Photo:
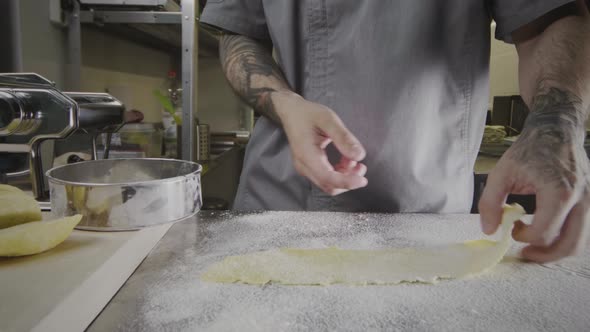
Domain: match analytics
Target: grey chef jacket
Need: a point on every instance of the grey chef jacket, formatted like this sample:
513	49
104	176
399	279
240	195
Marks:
409	78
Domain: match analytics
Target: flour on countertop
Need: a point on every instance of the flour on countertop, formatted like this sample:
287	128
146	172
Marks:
512	296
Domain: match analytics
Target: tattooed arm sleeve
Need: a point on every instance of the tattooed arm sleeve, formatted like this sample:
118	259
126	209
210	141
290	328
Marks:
554	70
554	74
252	72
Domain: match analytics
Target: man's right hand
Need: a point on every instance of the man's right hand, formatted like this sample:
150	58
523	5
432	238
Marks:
310	128
255	76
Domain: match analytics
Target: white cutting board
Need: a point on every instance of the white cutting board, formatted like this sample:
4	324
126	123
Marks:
65	288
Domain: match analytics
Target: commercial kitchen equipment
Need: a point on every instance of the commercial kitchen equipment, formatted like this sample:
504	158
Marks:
33	110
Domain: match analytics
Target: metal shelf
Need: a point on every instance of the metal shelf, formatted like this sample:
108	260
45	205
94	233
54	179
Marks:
176	32
130	17
159	30
169	5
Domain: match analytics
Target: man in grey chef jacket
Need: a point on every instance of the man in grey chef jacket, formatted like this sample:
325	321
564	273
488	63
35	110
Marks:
380	106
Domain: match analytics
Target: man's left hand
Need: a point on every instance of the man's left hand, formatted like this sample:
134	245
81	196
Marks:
547	160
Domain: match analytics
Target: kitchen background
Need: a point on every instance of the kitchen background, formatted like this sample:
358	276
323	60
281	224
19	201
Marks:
121	65
128	69
131	68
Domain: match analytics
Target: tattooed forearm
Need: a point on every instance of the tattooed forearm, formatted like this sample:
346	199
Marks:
553	138
252	72
555	83
558	58
560	109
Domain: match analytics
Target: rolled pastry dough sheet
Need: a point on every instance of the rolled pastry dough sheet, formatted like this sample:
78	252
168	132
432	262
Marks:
289	266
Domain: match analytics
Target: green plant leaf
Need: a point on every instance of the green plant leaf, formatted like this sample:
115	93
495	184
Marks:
167	105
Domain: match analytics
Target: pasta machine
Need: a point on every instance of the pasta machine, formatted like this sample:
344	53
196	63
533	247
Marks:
33	110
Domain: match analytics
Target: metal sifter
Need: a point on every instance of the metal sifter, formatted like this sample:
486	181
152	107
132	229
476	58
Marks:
126	194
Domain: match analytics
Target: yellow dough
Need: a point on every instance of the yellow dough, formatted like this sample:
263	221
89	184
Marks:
16	207
4	188
36	237
366	267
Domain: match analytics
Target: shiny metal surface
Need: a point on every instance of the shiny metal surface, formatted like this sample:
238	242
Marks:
99	112
126	194
11	114
190	46
32	107
24	80
30	102
19	114
204	134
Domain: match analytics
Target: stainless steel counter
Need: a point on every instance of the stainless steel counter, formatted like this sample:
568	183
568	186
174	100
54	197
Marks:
165	293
